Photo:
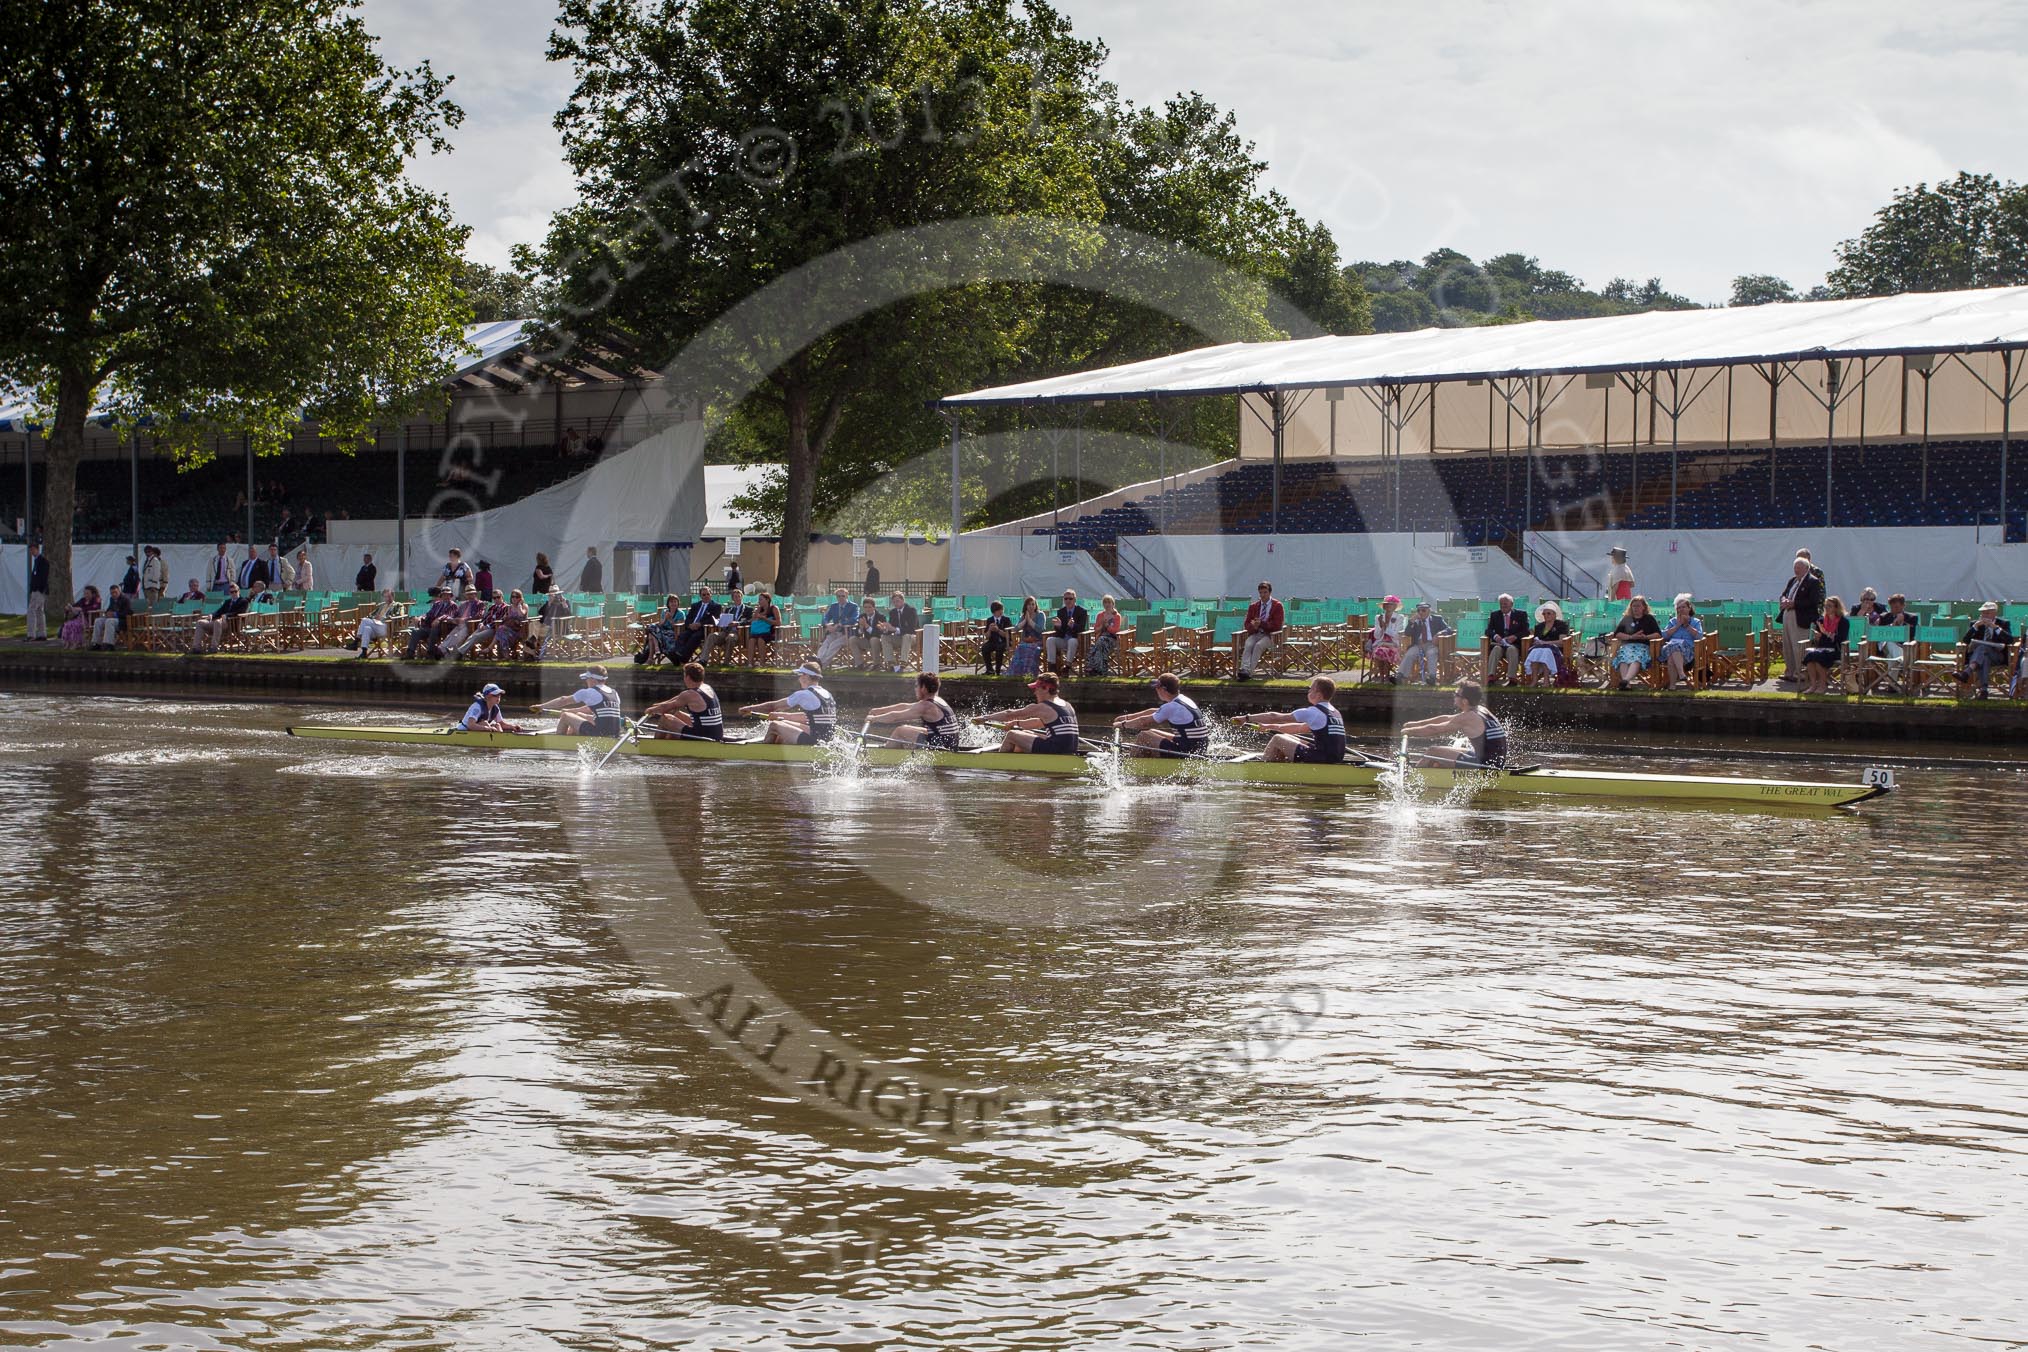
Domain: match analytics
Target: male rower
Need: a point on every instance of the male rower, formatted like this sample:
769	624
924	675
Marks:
1174	727
1471	720
1311	735
807	716
927	721
1047	727
693	712
592	710
484	715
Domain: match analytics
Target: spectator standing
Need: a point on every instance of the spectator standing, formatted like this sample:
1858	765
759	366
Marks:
898	631
734	583
484	582
544	576
130	581
1066	633
306	576
1619	579
367	576
1802	602
221	570
873	577
252	572
1425	627
1506	635
1986	646
281	574
38	594
1264	620
154	575
457	574
593	578
112	621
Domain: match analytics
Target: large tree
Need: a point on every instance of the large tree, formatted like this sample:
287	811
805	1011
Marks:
721	146
208	225
1968	232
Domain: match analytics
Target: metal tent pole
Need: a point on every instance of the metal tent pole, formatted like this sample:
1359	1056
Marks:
1675	431
2006	429
1280	426
956	551
1830	431
249	491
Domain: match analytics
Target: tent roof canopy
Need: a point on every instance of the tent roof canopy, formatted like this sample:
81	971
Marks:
1948	321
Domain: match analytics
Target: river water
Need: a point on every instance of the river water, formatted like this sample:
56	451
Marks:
310	1044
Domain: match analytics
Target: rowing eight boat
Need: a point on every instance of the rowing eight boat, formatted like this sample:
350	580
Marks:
1250	770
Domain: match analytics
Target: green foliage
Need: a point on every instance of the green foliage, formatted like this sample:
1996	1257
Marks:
493	294
208	222
1971	231
1448	290
722	147
1307	275
1759	288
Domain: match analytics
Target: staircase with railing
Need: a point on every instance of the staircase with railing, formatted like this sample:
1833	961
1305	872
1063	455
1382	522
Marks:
1558	573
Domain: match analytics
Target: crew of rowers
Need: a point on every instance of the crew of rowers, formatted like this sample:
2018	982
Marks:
1314	734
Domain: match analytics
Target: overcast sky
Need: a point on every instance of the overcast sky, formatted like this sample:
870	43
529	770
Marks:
1686	139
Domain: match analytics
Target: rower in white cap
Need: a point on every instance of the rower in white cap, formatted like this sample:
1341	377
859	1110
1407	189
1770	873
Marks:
807	716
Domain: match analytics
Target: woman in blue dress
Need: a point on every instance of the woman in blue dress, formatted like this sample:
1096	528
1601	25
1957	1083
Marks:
1679	641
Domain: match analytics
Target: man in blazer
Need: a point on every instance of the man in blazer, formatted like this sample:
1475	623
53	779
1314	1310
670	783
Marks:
1264	619
38	595
1802	604
1506	637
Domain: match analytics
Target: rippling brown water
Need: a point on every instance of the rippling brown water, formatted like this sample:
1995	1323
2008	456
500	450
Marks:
340	1046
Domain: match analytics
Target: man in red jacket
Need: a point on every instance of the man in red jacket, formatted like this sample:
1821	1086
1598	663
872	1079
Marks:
1263	622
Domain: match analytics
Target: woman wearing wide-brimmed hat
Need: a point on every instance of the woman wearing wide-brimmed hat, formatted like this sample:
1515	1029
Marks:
1383	645
1545	663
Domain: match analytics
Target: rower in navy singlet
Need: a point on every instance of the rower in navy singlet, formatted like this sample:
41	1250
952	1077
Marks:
1175	727
808	716
693	712
926	721
1047	727
1472	720
1311	735
592	710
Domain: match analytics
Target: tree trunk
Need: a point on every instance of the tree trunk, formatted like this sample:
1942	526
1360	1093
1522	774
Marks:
797	506
61	453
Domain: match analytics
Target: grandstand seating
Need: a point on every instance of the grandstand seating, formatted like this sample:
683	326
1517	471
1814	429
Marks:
196	506
1484	498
